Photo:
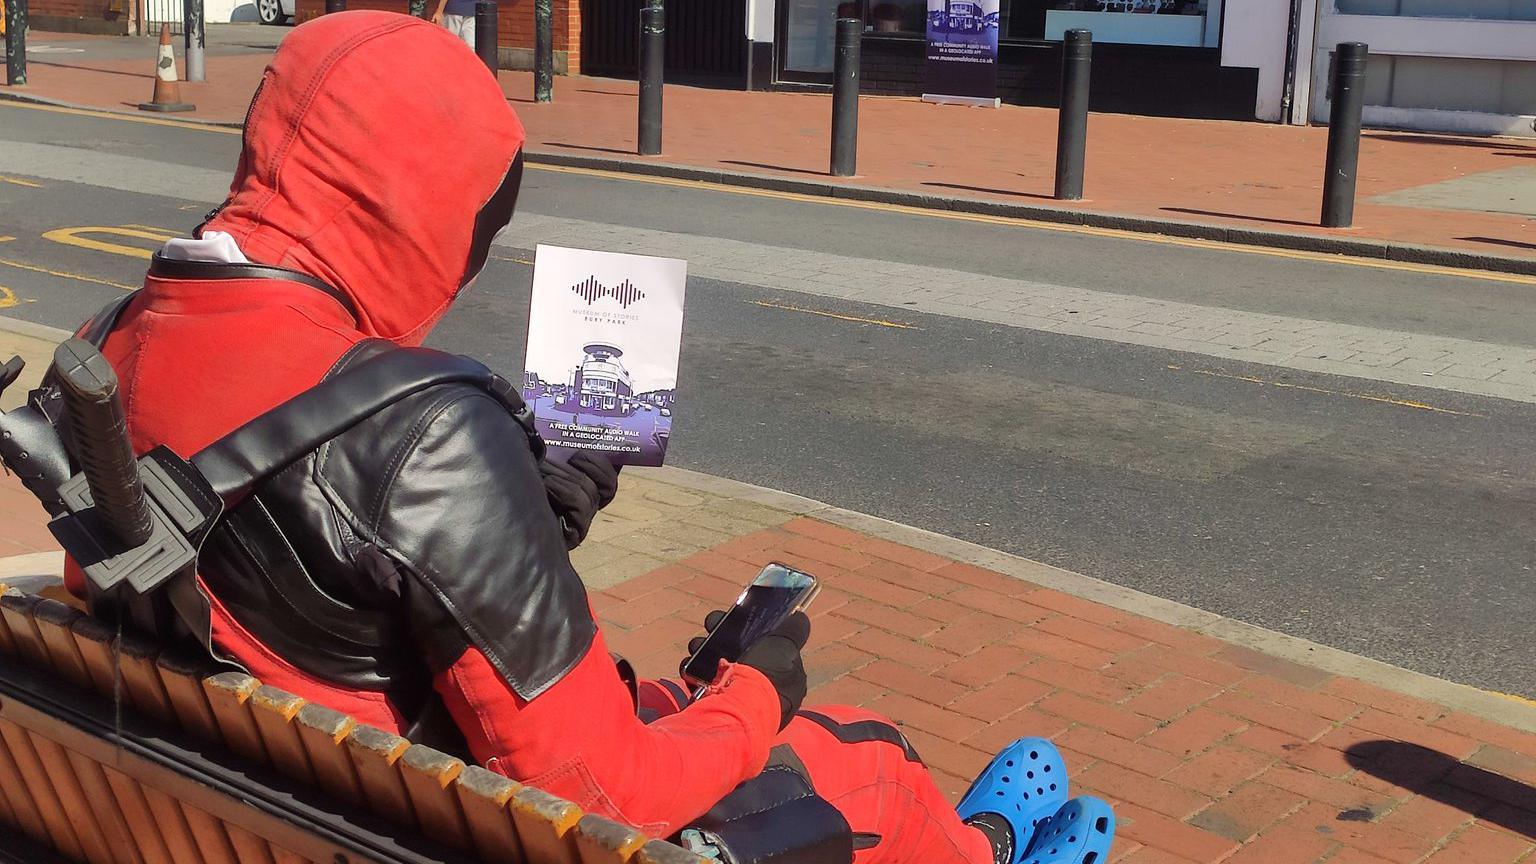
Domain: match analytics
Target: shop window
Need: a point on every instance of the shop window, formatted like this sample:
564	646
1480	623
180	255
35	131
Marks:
1486	10
1188	23
1148	22
894	16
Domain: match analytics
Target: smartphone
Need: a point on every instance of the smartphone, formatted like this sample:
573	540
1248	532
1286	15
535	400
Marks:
776	593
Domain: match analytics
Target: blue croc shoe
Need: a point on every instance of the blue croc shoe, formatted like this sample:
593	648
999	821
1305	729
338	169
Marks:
1023	786
1079	833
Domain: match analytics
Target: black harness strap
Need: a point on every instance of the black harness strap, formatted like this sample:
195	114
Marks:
268	444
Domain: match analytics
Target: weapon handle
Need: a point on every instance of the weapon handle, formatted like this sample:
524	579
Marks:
98	433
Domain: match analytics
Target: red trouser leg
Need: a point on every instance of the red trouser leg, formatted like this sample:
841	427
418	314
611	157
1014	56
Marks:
861	764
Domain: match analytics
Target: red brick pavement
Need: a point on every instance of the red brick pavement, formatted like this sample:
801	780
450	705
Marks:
1209	752
1243	174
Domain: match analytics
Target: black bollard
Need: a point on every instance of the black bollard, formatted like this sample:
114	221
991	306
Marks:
1344	134
485	33
653	34
1072	115
543	52
333	6
845	98
15	42
195	38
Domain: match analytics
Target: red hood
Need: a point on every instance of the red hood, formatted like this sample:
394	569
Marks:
374	152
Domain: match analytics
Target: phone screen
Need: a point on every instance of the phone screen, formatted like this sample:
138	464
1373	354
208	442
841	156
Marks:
773	596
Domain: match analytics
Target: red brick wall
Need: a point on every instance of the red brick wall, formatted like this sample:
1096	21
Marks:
515	23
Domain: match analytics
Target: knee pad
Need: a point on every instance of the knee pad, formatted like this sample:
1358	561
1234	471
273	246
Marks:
773	818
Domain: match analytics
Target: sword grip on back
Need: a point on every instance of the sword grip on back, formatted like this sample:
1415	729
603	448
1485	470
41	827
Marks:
98	433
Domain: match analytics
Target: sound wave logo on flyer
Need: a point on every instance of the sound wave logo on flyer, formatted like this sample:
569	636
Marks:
605	336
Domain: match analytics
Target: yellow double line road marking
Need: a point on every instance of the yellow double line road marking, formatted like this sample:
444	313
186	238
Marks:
72	237
1283	385
838	315
978	218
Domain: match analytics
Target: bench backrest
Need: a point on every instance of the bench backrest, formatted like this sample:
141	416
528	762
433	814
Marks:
113	750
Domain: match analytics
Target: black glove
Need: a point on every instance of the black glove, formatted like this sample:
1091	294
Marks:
577	489
777	656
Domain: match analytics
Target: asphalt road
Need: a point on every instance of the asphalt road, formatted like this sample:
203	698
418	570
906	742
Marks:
1404	534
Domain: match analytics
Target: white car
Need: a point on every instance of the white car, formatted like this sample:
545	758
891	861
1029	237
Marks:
276	11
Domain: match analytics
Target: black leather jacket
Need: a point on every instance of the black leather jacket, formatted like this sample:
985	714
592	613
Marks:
375	560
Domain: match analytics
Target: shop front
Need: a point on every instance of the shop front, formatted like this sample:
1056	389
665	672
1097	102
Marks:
1465	66
1151	56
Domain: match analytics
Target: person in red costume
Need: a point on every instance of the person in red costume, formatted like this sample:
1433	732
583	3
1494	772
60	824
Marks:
411	571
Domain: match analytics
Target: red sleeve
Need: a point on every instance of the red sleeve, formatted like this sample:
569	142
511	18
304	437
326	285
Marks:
581	740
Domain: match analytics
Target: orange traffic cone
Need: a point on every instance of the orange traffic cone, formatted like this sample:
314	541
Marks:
167	90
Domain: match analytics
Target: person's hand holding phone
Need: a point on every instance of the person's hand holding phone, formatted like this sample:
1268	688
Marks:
776	655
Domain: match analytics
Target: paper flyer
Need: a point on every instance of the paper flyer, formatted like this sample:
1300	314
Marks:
605	332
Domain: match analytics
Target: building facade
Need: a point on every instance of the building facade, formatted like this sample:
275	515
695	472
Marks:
1465	66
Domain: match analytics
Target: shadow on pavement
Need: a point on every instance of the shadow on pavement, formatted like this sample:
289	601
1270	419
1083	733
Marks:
81	68
1194	212
772	167
1443	140
1491	797
1500	242
1525	154
966	188
589	147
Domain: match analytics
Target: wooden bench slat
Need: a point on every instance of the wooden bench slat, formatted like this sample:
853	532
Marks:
283	856
544	825
7	815
212	843
93	813
109	817
227	693
182	672
58	831
24	810
600	840
249	848
54	620
274	710
483	796
93	639
143	825
16	609
662	852
78	809
428	775
136	658
172	823
323	732
374	753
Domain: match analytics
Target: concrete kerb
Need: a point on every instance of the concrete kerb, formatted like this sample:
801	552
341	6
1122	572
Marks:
1234	235
1359	248
10	95
1496	707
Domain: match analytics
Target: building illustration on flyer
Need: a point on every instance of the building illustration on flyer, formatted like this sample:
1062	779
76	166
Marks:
605	335
961	62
